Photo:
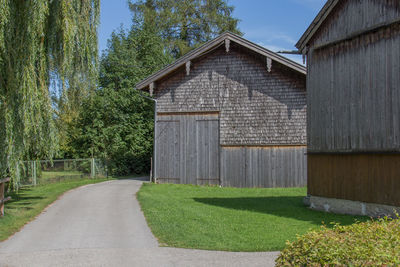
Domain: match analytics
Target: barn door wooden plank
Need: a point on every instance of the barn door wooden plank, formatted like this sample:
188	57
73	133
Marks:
168	155
207	148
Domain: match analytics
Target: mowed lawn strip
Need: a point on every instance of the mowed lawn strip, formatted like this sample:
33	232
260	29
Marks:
30	202
230	219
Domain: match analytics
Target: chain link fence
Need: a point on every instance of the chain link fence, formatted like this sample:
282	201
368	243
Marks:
46	171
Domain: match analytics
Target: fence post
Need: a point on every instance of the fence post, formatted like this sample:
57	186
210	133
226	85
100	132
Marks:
92	167
2	191
151	169
17	178
34	173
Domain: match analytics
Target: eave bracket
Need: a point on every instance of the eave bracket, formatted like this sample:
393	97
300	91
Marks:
269	64
188	68
151	89
227	45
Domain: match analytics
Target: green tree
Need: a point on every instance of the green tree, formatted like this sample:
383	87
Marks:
117	126
131	57
188	23
116	123
40	41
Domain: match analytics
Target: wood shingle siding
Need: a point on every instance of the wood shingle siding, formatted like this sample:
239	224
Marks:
257	107
230	116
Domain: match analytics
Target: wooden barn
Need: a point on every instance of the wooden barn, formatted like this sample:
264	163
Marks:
230	113
353	100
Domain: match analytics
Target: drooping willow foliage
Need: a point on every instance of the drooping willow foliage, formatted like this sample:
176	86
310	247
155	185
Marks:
41	41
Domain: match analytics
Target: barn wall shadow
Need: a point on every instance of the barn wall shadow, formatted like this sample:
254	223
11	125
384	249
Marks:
283	206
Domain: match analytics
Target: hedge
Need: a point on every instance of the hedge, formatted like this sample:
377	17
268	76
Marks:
371	243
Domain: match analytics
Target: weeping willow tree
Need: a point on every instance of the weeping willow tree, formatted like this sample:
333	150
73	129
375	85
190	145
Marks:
41	41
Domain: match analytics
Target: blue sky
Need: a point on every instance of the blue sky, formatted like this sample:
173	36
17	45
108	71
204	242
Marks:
274	24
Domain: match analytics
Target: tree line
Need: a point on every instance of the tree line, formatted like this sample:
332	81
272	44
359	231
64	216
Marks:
59	99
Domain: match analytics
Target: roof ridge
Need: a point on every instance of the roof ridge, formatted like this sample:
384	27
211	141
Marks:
209	45
315	24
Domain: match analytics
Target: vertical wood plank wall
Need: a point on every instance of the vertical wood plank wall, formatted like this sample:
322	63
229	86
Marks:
207	151
354	86
187	148
246	166
372	178
189	153
353	103
168	150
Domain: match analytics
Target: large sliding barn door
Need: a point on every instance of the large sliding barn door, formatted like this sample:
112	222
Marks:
187	148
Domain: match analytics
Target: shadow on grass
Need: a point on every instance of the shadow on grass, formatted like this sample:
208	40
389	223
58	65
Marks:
283	206
22	198
19	198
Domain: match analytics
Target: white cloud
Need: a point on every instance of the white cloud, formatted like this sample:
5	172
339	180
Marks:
295	58
268	35
274	39
271	47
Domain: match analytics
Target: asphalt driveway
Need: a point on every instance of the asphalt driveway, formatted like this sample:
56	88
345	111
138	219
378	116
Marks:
102	225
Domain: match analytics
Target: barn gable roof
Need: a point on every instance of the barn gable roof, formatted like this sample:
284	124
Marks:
210	46
316	24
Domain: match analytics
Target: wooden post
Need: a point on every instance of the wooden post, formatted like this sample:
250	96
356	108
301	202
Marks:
151	169
155	143
154	162
34	173
2	199
92	168
17	178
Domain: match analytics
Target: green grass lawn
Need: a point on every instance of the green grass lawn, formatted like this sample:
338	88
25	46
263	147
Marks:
231	219
30	201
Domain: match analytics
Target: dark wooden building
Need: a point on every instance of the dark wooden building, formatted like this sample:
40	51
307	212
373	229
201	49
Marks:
230	113
353	99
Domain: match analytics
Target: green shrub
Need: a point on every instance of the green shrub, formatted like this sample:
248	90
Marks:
372	243
116	126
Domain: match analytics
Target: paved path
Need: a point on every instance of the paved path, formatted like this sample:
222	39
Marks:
102	225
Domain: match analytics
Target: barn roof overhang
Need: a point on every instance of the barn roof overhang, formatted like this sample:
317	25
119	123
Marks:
315	25
224	38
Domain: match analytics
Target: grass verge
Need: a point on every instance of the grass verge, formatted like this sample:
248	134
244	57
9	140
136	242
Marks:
30	202
53	174
230	219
